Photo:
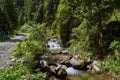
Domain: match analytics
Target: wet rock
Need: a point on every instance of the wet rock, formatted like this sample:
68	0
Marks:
78	62
61	72
43	63
65	52
57	72
44	66
43	56
110	75
94	67
13	60
64	67
52	69
46	63
113	75
54	52
62	59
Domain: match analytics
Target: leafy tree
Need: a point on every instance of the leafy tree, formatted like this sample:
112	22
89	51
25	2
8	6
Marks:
65	19
9	21
90	33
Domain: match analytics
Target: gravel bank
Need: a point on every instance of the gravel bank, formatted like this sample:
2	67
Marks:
6	48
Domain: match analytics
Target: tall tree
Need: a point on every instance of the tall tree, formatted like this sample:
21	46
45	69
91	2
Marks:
90	33
9	17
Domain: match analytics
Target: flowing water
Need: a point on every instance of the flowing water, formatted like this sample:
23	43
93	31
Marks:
74	74
53	44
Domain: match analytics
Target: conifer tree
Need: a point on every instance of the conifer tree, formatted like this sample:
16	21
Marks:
9	17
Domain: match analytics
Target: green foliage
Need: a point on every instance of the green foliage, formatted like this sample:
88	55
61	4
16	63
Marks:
28	49
110	64
50	8
64	21
4	37
84	39
29	9
11	15
89	35
79	39
88	54
8	17
14	72
115	45
39	33
115	16
31	48
19	72
85	19
38	76
26	28
39	15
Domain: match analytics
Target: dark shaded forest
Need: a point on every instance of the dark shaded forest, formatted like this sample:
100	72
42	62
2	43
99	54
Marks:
87	27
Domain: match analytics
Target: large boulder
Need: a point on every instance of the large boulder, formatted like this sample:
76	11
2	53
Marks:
94	67
62	59
77	61
57	72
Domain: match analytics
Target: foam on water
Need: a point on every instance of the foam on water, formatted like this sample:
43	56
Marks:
73	72
53	44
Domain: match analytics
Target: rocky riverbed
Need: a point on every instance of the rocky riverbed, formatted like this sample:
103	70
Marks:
6	48
60	65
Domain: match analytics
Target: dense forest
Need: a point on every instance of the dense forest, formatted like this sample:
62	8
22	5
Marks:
90	28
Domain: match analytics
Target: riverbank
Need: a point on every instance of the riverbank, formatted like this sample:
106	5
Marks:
6	48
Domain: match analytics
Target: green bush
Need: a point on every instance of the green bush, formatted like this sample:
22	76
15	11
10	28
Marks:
20	72
28	49
38	76
15	72
115	45
31	48
26	28
110	64
88	54
34	45
39	32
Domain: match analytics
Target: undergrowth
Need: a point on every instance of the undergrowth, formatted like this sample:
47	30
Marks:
26	66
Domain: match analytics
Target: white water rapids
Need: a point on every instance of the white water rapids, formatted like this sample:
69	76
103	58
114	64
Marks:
53	44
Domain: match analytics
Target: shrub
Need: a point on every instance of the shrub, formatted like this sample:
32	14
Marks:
26	28
110	64
34	45
19	72
29	50
115	45
39	33
15	72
